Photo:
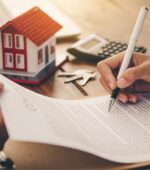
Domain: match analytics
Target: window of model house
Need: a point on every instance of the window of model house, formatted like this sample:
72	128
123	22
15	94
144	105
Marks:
52	47
9	60
20	62
40	56
19	43
8	40
46	55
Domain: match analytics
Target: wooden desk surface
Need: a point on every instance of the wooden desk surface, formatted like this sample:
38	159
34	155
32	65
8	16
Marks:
113	19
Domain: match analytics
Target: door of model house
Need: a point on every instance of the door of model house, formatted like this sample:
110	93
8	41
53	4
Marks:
14	51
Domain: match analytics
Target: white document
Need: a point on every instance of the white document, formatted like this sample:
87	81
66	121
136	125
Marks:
122	135
10	9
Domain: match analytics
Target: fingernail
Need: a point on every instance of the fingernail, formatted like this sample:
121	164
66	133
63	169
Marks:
111	85
133	99
121	83
122	99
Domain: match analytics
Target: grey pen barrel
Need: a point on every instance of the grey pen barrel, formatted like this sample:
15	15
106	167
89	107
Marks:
115	93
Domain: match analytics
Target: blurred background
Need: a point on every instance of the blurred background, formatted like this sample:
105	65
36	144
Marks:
113	19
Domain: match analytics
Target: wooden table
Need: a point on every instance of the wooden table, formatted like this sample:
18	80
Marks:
113	19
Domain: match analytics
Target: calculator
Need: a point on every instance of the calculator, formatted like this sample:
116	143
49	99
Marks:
96	48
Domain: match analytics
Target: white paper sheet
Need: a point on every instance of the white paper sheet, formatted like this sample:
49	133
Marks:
122	135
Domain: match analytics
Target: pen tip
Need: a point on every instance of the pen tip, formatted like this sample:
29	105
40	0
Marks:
109	108
111	104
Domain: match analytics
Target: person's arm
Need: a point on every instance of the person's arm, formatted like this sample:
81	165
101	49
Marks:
3	131
135	79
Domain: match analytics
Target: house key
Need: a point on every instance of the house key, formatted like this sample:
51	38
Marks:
86	78
78	74
73	78
75	73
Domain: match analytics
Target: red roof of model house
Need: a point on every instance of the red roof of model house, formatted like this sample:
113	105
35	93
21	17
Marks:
36	25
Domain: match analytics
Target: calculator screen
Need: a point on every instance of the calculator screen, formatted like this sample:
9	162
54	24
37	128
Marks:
90	44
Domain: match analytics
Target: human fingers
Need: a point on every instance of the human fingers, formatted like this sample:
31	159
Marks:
132	98
107	75
104	84
123	97
106	68
140	71
130	76
3	132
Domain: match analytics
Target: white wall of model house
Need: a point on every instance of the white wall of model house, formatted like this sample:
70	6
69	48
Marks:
32	55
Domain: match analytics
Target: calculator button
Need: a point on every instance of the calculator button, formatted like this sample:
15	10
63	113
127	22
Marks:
119	45
113	44
111	50
106	53
112	54
109	47
124	48
102	55
136	49
116	52
115	48
121	49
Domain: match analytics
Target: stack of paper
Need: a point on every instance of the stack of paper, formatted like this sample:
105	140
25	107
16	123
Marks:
122	135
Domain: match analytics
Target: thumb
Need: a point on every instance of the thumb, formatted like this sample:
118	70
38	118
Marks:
129	77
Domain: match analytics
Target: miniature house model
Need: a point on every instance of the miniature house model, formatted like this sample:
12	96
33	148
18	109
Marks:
27	47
